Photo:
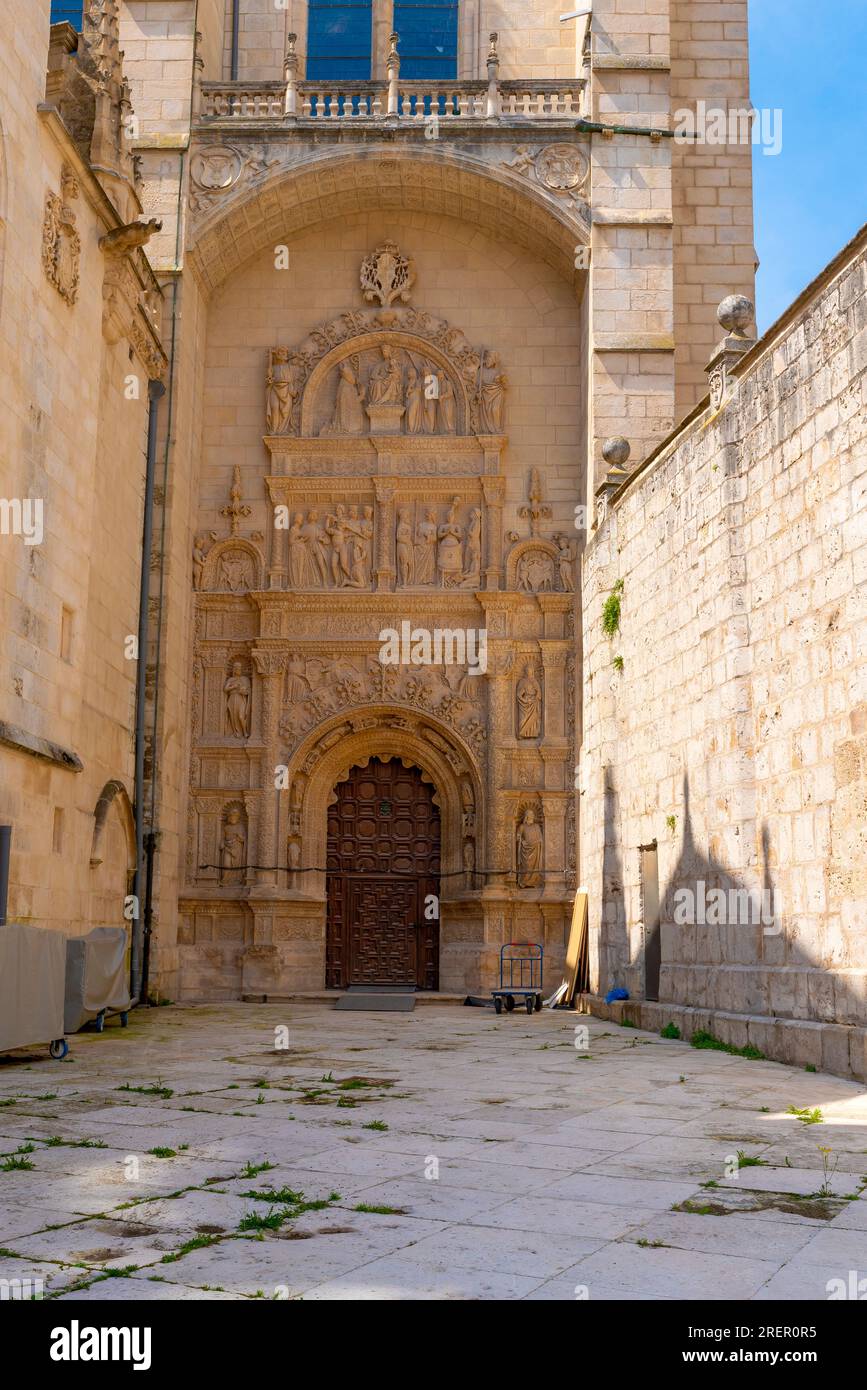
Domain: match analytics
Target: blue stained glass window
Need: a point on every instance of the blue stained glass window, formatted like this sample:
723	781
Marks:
338	39
67	11
428	38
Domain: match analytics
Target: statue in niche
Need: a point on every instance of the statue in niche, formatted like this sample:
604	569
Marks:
529	697
426	548
317	549
385	384
293	857
492	395
236	571
238	690
404	548
468	815
348	416
529	847
282	385
469	857
565	563
415	402
300	573
450	548
297	684
233	848
431	396
473	548
446	405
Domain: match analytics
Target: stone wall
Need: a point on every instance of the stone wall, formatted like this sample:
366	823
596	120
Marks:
726	719
73	439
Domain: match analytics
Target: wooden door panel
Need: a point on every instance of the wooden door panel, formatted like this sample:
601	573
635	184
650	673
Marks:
383	859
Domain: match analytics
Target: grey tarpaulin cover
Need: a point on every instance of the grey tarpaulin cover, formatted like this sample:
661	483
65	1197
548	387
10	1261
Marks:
32	967
95	975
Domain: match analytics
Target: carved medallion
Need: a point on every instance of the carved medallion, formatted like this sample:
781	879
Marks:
387	275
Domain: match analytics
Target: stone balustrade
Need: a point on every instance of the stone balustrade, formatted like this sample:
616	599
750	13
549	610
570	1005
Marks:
513	102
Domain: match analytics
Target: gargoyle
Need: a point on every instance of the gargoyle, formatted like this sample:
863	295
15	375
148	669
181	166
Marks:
120	240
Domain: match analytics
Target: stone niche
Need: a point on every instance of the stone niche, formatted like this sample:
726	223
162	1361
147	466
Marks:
385	430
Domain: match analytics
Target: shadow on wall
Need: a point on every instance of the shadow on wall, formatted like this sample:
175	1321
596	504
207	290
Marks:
725	945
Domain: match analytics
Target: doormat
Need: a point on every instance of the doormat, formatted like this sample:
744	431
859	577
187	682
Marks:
382	999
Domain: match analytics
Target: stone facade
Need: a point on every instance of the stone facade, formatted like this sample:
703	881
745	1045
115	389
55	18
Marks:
79	309
725	718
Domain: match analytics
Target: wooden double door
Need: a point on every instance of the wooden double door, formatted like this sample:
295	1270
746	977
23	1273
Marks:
383	862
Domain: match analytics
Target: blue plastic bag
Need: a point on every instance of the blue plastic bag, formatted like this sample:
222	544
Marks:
616	994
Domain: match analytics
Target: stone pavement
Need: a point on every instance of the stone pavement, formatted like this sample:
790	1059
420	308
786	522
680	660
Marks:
441	1154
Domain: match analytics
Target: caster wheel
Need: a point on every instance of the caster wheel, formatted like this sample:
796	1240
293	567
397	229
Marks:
531	1004
498	1005
510	1003
58	1049
538	1003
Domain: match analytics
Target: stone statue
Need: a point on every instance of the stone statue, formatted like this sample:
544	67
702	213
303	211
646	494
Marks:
429	401
281	389
317	550
529	696
529	847
297	684
238	690
200	555
492	395
385	384
449	548
335	526
473	548
447	405
565	563
233	848
404	548
469	857
348	416
294	856
415	402
300	573
426	548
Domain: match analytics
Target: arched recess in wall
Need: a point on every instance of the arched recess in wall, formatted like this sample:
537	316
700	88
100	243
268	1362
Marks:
233	225
112	855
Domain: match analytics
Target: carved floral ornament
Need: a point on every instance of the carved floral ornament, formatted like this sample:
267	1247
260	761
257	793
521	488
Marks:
386	275
61	243
393	371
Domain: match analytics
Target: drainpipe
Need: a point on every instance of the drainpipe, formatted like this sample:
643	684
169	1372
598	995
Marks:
5	848
236	24
156	391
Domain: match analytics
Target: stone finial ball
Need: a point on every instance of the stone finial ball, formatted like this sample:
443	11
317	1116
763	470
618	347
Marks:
736	313
616	451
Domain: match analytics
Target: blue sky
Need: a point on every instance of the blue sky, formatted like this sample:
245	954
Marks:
808	57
